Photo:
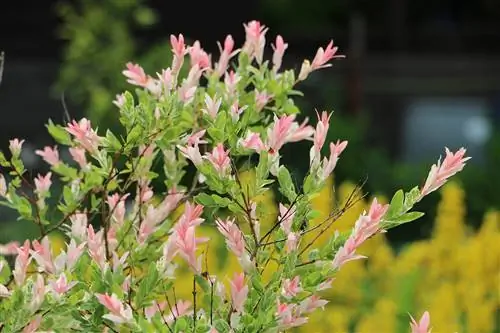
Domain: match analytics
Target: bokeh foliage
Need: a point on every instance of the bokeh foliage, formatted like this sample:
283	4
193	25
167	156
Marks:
101	37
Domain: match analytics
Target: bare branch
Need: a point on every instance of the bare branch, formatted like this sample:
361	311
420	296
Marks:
2	61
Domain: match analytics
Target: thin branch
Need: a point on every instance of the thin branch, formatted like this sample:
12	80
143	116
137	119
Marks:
175	301
42	315
38	219
278	223
2	62
247	209
105	223
207	275
194	303
211	300
163	316
305	263
65	107
111	328
335	216
168	303
65	217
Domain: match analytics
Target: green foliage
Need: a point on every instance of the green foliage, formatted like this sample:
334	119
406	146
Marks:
101	39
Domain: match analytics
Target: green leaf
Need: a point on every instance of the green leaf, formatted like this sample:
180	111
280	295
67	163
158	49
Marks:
411	198
396	204
202	283
134	135
290	108
4	271
235	208
295	93
286	184
202	327
216	134
112	141
148	327
313	279
408	217
257	285
221	201
311	215
222	326
309	185
313	255
181	324
129	99
3	160
205	200
68	195
24	209
220	121
147	286
64	170
262	170
94	202
59	133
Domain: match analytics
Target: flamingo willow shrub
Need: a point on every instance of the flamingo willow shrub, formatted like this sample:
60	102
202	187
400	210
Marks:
118	272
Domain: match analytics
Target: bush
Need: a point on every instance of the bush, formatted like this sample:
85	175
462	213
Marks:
124	276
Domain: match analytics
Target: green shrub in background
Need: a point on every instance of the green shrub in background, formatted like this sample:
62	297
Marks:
100	40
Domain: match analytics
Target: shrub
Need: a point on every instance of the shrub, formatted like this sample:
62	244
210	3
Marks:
122	277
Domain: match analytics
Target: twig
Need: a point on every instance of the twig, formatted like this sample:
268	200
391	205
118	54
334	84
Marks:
65	107
211	300
105	223
194	303
175	301
163	316
65	217
38	219
211	284
305	263
2	62
247	210
278	223
168	303
334	216
43	314
111	328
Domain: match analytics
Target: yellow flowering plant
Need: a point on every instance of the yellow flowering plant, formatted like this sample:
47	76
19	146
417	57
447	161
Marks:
454	274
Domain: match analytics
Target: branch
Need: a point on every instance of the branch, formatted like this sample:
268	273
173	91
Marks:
335	216
2	61
247	209
163	316
288	213
111	328
194	303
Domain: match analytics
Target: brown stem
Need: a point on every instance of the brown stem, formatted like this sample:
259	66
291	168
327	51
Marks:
334	217
38	219
247	209
194	303
278	223
163	316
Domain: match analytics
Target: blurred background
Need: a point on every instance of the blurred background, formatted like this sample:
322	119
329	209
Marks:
419	76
